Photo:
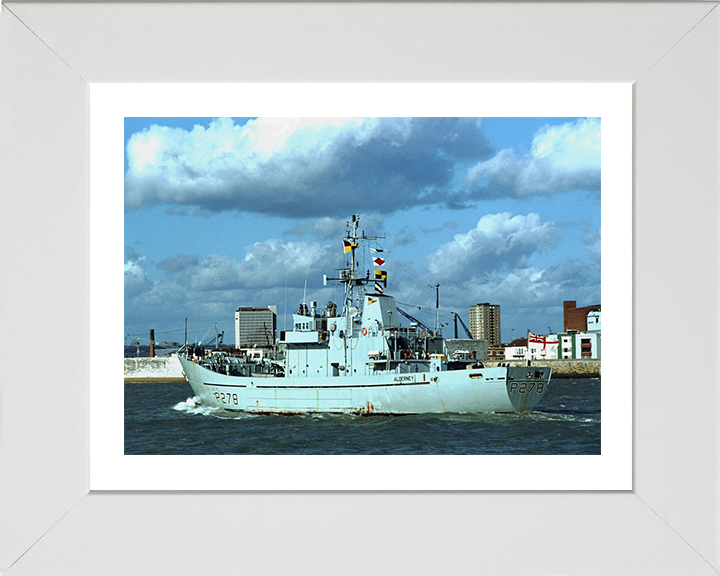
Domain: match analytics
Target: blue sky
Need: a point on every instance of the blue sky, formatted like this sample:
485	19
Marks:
229	212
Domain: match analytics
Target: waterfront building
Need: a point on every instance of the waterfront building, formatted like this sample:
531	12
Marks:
575	318
485	322
593	321
568	346
542	347
255	327
496	352
515	352
579	345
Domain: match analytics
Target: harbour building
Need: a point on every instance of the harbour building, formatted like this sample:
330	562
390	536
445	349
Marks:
575	318
255	327
485	322
580	345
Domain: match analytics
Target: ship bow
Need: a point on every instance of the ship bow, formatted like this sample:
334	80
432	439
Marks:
526	385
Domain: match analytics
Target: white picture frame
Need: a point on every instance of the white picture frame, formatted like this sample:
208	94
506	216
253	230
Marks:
668	523
112	469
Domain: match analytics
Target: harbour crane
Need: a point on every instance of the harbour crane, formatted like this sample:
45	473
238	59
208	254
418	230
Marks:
456	316
424	326
212	342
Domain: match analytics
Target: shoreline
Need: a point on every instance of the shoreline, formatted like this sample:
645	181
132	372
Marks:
560	368
153	380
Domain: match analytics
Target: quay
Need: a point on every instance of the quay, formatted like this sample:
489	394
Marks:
567	368
158	369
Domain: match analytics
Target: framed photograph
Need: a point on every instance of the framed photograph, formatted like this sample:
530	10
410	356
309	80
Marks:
555	150
62	416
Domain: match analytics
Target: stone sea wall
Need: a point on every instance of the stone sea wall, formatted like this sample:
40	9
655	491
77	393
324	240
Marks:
159	369
561	368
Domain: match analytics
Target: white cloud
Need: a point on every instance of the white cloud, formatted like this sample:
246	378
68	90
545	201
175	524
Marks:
592	241
498	241
273	262
514	289
300	167
137	279
214	272
209	289
328	228
562	158
267	264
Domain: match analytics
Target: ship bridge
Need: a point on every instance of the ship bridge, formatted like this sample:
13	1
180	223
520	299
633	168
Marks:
379	314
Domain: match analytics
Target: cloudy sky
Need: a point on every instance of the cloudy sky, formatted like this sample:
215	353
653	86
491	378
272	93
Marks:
229	212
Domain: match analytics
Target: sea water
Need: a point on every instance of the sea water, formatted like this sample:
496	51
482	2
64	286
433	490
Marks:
165	418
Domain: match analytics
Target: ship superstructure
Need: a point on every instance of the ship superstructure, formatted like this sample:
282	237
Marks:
359	359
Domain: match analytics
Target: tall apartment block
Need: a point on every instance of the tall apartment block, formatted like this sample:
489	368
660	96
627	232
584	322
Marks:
255	326
485	322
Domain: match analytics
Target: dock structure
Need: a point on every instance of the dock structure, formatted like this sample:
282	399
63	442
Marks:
566	368
158	369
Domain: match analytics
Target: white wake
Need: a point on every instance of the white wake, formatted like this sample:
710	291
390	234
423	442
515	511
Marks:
194	406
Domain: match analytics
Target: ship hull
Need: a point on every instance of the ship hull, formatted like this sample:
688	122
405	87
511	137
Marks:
501	389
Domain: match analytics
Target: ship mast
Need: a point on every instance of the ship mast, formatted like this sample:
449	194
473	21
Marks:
349	276
352	238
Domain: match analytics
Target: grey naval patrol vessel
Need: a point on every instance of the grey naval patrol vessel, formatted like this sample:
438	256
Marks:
359	361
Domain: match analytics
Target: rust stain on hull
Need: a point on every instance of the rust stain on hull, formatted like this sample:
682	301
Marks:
367	410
